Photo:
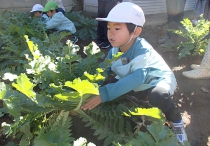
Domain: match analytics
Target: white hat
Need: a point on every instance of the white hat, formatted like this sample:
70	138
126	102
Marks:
37	7
125	12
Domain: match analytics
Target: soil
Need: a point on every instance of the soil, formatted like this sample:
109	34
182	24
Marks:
193	103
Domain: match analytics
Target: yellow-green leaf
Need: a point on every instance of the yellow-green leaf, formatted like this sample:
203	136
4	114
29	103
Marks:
25	86
82	86
67	96
151	112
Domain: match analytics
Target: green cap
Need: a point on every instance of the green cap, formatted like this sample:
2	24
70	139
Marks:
50	6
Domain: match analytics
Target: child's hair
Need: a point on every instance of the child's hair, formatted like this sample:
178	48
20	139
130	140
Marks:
38	11
55	10
131	27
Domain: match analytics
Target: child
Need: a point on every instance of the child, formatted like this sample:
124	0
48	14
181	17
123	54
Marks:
60	5
37	11
140	68
57	20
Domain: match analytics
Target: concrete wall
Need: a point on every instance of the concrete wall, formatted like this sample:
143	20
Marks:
26	5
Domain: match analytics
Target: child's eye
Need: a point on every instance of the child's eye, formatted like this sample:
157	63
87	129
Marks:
117	28
108	28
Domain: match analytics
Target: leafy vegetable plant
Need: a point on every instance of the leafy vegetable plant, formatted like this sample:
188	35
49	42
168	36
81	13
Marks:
86	27
196	40
54	81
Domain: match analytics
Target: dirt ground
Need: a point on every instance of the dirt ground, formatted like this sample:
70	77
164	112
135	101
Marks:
193	103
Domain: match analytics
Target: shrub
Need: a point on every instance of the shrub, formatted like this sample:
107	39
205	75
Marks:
196	40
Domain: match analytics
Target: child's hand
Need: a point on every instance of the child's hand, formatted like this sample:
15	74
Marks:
92	103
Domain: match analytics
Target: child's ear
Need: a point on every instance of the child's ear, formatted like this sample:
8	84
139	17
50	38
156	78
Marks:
137	32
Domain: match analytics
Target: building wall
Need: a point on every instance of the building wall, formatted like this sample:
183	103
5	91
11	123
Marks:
148	6
26	5
159	6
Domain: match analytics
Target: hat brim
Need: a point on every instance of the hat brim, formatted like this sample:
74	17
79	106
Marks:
112	20
45	10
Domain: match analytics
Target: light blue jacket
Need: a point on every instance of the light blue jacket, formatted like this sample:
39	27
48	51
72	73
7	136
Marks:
60	22
44	18
138	69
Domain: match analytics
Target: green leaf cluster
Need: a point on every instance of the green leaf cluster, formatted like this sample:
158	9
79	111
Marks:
109	123
52	88
57	132
49	84
13	47
86	27
14	25
196	40
54	79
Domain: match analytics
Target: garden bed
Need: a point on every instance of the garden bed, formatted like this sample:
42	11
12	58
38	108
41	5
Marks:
191	100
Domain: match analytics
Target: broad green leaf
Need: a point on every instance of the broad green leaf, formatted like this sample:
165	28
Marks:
33	48
15	101
26	130
95	77
57	89
67	96
99	70
152	112
82	86
146	139
169	141
46	139
24	140
25	86
114	58
159	131
58	134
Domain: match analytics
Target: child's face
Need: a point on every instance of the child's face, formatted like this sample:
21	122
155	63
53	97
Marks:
37	14
50	14
118	34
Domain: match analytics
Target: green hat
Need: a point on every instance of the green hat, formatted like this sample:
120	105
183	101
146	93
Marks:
50	6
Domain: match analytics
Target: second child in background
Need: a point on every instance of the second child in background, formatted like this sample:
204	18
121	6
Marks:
37	12
58	21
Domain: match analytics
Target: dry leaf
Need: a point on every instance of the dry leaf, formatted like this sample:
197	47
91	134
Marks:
204	89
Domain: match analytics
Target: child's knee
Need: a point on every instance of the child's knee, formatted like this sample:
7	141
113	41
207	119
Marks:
159	98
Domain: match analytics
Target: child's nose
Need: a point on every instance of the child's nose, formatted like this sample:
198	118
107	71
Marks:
111	32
